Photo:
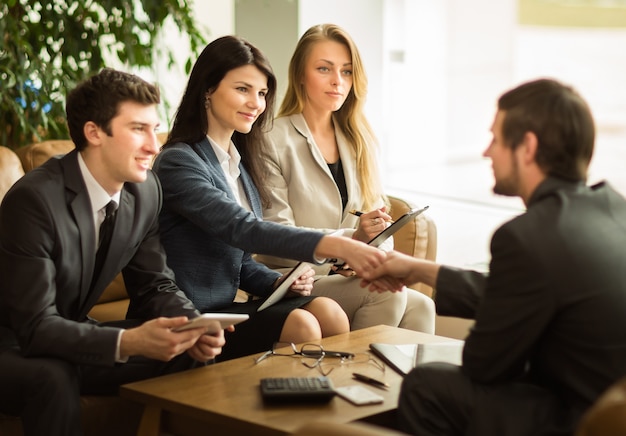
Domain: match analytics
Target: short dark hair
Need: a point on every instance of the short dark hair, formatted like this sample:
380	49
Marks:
98	98
561	120
191	123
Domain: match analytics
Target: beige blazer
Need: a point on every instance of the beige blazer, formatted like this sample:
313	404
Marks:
303	191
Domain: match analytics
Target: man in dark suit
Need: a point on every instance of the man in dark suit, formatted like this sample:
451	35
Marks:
550	317
50	350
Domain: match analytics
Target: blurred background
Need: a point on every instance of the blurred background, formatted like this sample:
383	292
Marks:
436	69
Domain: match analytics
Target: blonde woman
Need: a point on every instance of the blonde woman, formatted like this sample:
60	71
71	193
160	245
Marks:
321	155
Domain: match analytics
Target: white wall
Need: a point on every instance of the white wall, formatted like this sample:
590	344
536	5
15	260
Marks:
362	19
216	18
436	68
452	58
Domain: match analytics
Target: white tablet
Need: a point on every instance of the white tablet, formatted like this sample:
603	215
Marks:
215	321
282	289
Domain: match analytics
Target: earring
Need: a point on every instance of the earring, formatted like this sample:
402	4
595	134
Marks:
207	102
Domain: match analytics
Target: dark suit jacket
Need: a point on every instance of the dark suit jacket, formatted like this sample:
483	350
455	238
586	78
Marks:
209	237
47	254
553	307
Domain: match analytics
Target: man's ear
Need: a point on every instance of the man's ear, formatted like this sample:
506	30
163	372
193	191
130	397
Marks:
92	133
528	148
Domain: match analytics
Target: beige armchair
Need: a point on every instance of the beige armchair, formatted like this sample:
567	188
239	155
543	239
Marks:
417	239
10	170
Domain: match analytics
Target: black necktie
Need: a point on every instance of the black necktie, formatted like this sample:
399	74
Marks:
104	240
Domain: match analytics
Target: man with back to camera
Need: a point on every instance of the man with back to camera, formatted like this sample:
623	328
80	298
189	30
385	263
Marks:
550	316
51	352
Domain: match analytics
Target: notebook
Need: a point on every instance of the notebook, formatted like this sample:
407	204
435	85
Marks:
283	288
404	357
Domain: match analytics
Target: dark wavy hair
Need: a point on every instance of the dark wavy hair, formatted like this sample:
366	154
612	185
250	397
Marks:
98	98
191	123
561	120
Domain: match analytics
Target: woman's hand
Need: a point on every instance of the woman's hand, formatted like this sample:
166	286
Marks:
359	256
303	285
371	224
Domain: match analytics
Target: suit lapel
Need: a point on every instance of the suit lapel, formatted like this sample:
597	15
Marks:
299	123
348	162
205	151
251	192
78	201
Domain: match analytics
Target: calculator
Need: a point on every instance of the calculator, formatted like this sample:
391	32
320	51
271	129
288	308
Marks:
297	389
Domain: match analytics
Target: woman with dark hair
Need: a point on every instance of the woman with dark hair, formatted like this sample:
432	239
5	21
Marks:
211	171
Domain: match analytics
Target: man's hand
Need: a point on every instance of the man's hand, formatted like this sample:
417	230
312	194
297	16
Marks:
399	270
209	346
156	340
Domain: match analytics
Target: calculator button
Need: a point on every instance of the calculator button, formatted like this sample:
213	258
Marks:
297	389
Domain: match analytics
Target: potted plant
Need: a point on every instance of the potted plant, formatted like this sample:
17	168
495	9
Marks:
47	47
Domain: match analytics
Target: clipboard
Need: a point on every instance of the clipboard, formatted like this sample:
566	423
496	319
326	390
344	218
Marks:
377	240
282	289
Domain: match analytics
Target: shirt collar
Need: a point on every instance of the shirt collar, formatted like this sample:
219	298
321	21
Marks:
232	157
553	184
98	197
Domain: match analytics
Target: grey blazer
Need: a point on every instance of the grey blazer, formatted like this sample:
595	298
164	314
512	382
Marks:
47	253
209	238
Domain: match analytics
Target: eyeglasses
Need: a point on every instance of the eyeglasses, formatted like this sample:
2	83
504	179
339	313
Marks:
313	355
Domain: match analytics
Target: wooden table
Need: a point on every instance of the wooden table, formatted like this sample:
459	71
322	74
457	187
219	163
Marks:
225	398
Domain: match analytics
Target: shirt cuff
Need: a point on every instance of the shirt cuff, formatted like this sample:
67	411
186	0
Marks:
118	358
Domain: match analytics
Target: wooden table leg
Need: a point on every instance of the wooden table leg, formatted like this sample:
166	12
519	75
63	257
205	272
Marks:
150	424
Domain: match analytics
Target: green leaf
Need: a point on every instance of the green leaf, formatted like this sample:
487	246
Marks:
57	44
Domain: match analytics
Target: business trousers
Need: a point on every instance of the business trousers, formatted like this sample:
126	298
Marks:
45	392
408	309
438	399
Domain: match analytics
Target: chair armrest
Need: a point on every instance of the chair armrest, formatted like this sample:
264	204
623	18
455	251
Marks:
607	416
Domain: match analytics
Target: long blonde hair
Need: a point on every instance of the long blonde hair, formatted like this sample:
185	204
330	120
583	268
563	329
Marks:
350	118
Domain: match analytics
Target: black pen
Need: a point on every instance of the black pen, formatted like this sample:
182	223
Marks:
329	353
369	380
359	213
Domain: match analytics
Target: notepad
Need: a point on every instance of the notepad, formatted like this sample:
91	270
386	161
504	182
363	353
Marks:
404	357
